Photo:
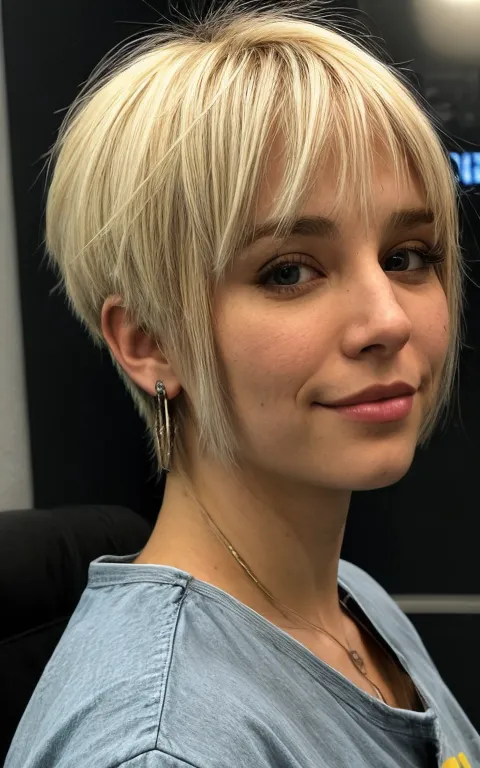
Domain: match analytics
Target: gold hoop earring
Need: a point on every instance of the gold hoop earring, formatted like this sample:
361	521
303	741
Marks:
163	428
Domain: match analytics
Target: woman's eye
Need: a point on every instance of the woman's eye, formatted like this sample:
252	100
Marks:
287	275
406	260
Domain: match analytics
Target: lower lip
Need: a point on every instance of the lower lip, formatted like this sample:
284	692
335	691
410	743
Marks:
378	412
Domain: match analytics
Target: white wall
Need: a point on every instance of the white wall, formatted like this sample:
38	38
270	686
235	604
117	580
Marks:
15	472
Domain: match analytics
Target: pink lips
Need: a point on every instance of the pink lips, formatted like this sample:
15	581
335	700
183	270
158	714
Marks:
378	404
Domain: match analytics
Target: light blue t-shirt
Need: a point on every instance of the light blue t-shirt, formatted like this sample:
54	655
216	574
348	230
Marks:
159	670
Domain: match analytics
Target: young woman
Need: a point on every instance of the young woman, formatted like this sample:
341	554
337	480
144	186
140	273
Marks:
257	218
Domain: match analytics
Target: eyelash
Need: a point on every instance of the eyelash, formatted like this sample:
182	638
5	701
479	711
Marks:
431	258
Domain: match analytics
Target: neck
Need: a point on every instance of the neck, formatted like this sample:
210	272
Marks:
288	533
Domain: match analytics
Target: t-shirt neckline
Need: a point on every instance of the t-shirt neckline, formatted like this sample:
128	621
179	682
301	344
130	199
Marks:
116	569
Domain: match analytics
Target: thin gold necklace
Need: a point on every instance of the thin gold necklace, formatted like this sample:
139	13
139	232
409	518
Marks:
352	654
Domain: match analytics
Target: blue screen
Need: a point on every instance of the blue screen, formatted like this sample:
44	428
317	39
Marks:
468	164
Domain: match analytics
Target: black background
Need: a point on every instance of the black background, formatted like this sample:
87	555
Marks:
88	444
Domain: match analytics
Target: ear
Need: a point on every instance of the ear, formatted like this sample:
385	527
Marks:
136	352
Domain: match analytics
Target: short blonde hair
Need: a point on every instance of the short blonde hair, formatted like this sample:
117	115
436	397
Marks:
159	161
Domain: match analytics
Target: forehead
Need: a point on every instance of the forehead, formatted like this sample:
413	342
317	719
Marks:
387	193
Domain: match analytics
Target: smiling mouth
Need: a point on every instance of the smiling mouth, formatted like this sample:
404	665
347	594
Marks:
379	403
380	411
374	393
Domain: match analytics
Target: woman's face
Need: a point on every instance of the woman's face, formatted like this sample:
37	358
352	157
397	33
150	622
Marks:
320	318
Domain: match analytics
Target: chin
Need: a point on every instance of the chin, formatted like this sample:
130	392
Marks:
369	466
380	461
379	481
381	474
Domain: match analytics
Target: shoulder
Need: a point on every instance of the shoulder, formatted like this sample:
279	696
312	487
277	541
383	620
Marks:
147	674
100	698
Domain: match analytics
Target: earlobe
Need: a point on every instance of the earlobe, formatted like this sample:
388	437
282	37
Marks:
135	351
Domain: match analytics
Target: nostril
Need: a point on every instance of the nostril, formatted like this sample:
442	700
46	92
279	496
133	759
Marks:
372	347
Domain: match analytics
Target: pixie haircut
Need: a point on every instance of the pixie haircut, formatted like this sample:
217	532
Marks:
158	163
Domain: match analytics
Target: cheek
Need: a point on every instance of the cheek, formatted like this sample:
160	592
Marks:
431	328
265	351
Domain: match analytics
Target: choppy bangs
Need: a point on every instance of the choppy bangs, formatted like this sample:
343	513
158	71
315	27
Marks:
326	109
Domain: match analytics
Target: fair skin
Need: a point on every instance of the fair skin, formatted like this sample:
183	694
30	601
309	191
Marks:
352	324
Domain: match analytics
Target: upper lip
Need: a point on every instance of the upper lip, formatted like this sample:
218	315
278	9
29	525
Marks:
372	394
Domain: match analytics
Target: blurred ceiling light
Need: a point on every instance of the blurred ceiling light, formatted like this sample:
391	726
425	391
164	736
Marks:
450	27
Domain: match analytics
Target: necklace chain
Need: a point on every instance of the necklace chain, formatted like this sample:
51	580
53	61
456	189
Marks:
353	655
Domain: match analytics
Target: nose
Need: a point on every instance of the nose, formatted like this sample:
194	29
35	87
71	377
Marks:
377	323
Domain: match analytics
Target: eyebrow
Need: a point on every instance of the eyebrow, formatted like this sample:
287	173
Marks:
320	226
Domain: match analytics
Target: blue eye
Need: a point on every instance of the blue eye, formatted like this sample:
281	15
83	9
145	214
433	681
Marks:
410	259
286	276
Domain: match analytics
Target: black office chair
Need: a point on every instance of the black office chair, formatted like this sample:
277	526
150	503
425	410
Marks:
44	558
